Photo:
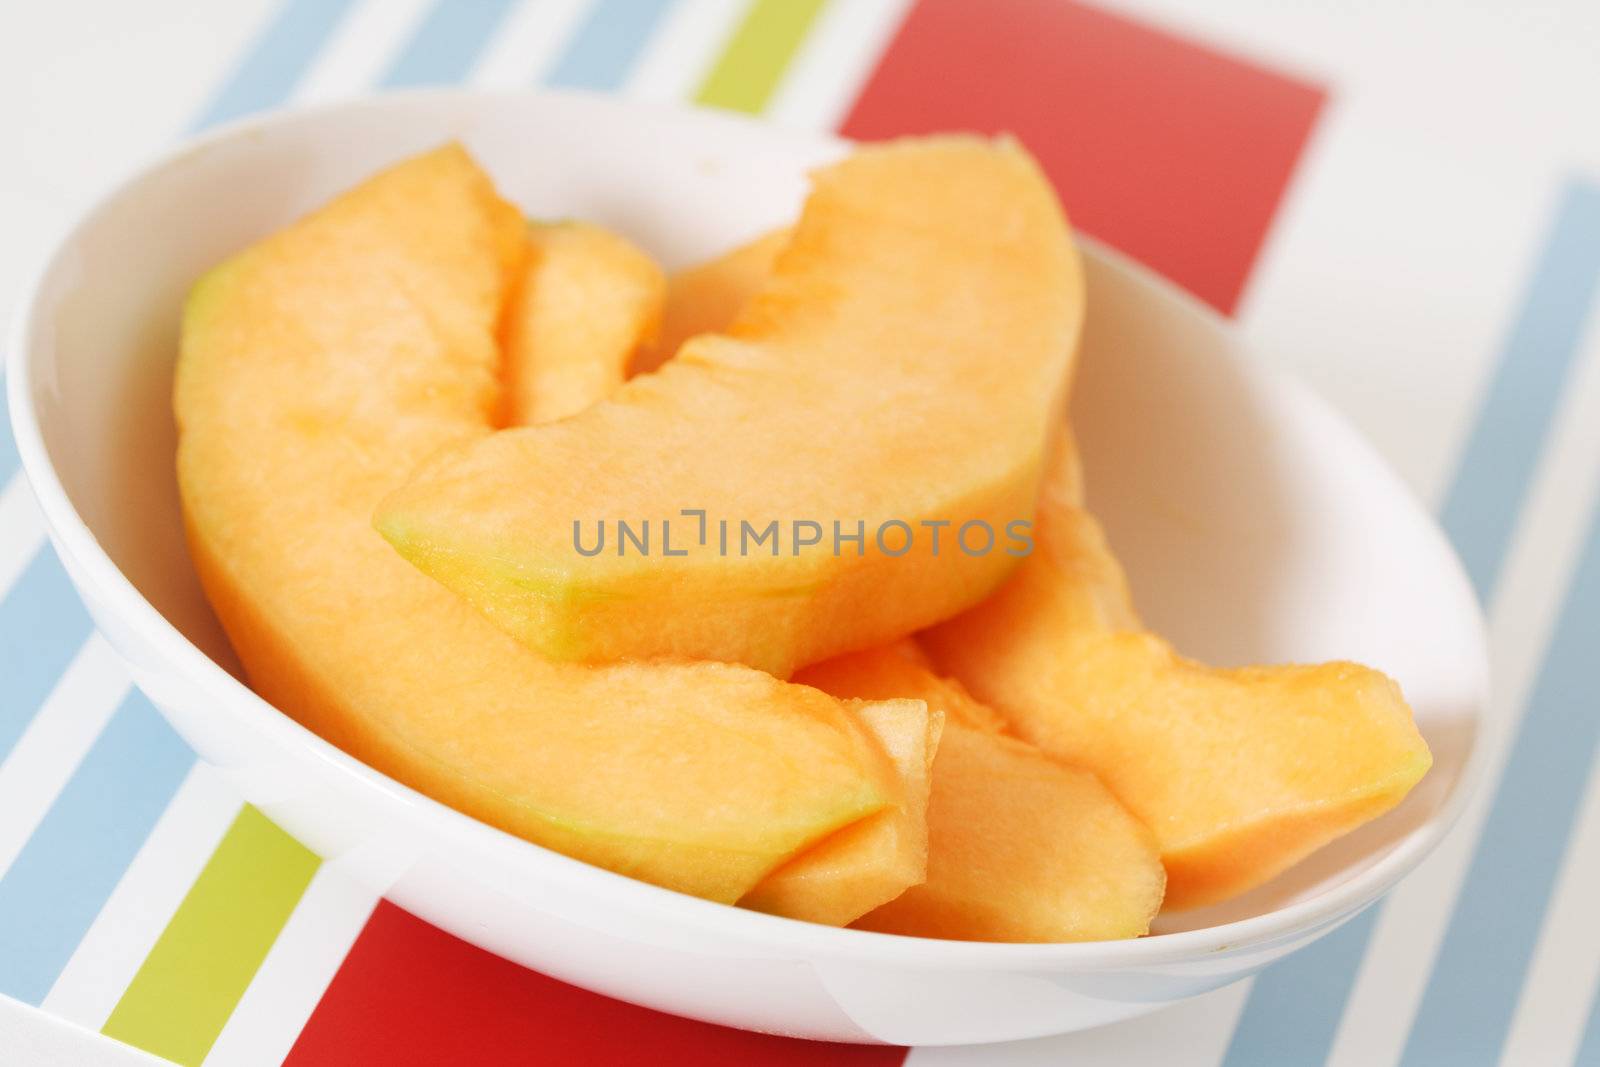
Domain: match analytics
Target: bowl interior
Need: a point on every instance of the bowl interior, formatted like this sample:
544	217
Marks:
1254	524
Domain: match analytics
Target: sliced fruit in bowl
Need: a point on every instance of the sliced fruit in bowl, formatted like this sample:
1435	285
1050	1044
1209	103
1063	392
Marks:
378	367
901	365
318	369
340	360
1240	773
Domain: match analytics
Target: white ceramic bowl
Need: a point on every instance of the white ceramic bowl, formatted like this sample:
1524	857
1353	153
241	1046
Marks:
1255	524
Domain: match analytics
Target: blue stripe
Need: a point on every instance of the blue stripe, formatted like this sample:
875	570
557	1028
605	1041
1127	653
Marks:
602	52
42	626
62	877
1589	1050
447	43
281	55
1467	1008
1295	1007
1496	468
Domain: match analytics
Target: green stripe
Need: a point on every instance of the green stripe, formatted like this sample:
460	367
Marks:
756	56
188	985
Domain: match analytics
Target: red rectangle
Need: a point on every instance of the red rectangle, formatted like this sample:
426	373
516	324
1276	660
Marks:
1166	149
409	993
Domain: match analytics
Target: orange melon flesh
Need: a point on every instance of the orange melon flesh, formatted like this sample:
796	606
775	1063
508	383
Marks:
1240	772
708	297
317	369
586	301
870	862
1020	847
861	386
905	669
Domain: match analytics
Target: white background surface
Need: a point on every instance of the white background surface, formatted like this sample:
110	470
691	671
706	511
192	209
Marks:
30	1037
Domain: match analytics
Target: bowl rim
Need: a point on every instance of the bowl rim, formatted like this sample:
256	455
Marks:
86	558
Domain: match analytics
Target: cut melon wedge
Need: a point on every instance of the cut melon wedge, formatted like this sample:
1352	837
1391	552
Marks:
903	668
1020	847
904	364
708	298
1240	773
874	859
317	369
586	302
870	862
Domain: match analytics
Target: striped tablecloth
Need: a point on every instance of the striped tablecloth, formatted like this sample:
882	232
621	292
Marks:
1400	200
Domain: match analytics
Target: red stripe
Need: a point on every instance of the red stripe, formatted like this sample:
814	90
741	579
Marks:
411	994
1172	152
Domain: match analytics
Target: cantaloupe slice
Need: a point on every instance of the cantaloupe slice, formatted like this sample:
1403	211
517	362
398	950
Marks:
904	364
587	300
903	668
318	368
1020	847
708	297
874	860
1240	773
